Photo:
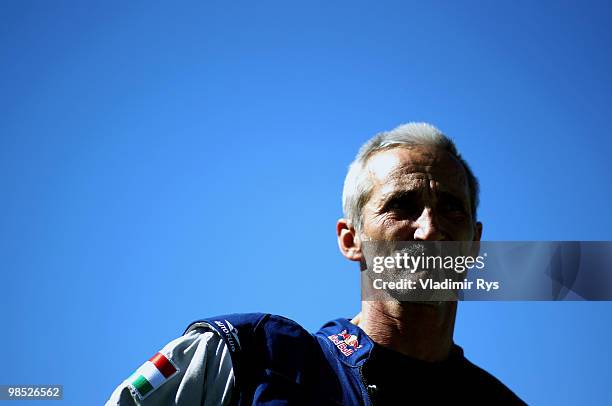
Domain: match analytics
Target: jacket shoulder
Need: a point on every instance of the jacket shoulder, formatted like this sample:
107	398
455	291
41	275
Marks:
271	354
243	324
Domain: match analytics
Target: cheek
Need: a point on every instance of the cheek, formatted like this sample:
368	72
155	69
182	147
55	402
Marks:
459	230
388	229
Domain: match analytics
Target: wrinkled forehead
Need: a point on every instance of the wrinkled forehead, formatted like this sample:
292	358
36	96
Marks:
416	167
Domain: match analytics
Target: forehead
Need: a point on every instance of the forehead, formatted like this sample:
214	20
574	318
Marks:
412	167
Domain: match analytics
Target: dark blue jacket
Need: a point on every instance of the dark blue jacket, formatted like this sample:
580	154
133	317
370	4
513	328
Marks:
277	362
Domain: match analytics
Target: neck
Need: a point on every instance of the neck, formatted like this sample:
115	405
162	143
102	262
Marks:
420	330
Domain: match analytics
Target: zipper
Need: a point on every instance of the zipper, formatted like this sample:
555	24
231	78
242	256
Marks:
369	389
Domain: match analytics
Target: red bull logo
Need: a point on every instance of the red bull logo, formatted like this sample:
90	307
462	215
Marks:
345	342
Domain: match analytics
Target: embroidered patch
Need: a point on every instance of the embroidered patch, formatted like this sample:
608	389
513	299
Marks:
345	342
151	375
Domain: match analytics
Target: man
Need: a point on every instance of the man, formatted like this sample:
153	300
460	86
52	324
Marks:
408	184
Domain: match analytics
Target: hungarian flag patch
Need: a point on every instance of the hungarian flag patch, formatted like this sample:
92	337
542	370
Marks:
151	375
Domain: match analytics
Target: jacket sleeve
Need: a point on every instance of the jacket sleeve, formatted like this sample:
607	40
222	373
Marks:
195	369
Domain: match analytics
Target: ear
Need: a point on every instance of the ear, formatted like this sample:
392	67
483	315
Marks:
348	241
477	231
475	247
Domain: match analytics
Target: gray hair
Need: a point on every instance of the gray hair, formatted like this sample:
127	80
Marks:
358	185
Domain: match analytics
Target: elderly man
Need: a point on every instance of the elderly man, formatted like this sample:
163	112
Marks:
408	184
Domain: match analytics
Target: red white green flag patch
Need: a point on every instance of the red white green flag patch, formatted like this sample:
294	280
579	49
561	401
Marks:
151	375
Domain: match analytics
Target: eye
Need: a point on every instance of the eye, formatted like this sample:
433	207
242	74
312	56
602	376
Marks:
394	204
452	206
402	206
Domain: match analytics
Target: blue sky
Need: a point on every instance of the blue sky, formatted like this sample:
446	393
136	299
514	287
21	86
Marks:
160	163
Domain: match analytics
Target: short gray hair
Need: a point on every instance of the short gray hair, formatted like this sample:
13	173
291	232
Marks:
358	185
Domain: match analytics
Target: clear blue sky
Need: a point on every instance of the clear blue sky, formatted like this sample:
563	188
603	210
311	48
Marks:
161	163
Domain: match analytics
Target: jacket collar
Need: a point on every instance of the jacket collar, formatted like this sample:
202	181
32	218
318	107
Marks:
352	346
349	343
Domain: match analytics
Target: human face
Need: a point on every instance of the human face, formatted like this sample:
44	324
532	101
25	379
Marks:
419	193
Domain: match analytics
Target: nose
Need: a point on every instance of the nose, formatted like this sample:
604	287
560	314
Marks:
427	228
